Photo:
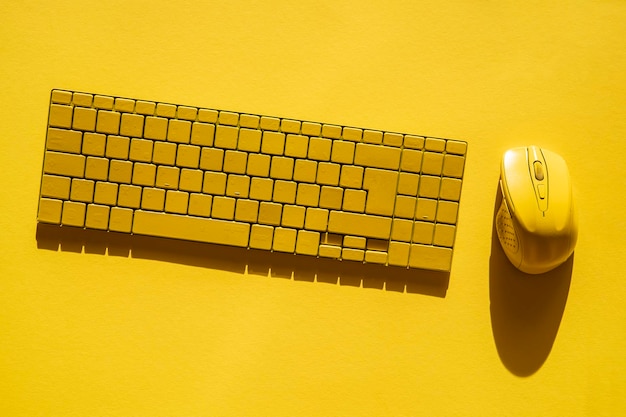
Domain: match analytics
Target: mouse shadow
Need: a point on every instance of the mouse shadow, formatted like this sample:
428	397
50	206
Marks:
243	261
526	310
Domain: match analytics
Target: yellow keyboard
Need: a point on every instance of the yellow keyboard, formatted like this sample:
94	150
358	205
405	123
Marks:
269	183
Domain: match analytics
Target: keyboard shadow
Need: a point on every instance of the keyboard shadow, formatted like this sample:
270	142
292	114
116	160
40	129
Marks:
242	261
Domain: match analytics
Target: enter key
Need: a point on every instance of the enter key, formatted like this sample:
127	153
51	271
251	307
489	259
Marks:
381	187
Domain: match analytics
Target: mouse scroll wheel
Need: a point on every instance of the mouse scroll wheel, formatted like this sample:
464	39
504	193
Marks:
538	170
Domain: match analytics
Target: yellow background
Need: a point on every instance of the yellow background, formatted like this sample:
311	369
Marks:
169	332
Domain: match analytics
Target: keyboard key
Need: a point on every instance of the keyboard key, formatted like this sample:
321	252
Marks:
73	214
411	160
179	131
282	168
211	159
190	180
316	219
429	186
328	173
408	183
352	134
331	197
238	186
261	237
105	193
82	190
307	242
214	183
166	110
311	129
308	195
153	199
176	201
117	147
124	105
380	196
140	150
296	146
359	224
293	216
167	177
191	228
223	208
319	149
356	242
129	196
399	253
350	254
226	137
432	163
97	217
202	134
270	123
64	140
145	107
290	126
144	174
343	152
249	120
351	176
121	220
305	170
247	210
249	140
444	235
270	213
64	164
328	251
103	102
273	143
132	125
94	144
392	139
423	233
354	200
200	205
377	156
55	187
228	118
155	128
453	166
108	122
284	192
50	210
188	156
402	230
261	189
430	257
372	136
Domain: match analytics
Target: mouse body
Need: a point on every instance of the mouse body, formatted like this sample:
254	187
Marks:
536	222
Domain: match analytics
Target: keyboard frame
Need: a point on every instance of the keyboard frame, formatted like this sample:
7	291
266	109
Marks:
64	202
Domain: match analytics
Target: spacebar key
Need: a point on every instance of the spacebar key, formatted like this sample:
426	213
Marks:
191	228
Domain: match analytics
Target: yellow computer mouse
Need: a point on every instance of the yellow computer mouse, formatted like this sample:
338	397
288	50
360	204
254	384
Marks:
536	222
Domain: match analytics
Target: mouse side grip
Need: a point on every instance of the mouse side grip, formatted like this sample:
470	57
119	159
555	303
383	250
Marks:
507	235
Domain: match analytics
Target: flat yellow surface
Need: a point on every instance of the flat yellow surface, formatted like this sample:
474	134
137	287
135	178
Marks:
141	327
